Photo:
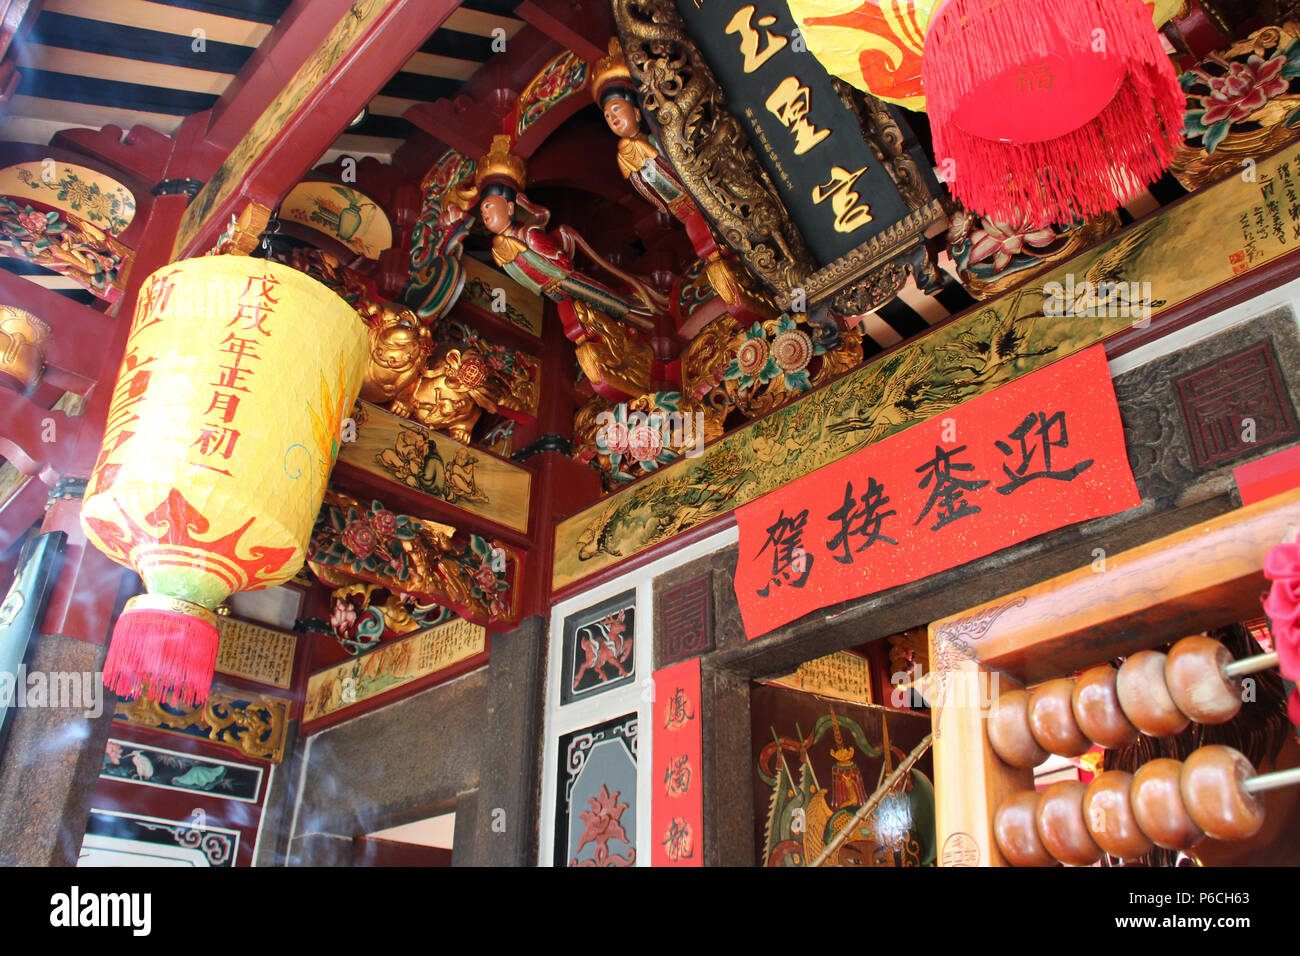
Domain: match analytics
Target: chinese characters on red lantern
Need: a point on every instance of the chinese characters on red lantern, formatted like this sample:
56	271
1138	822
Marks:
1035	455
677	804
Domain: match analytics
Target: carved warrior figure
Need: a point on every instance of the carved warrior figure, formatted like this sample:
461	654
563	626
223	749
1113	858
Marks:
543	261
643	165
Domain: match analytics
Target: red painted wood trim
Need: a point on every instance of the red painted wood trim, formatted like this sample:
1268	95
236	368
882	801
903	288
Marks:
282	52
141	152
372	851
84	598
74	354
23	429
585	29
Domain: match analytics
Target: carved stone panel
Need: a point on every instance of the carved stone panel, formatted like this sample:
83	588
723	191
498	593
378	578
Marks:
1235	405
1159	425
686	621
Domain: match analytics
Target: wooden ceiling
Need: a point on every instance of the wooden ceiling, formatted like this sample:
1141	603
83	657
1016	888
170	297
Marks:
89	63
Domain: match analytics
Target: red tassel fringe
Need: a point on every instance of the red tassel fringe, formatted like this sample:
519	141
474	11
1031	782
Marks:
1097	167
166	655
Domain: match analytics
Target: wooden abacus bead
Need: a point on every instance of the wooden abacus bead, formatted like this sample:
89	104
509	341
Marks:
1051	719
1158	805
1213	789
1009	733
1097	711
1197	682
1108	812
1145	699
1015	828
1061	826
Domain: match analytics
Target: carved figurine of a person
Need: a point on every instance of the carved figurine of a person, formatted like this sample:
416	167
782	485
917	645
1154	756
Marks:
543	261
640	159
643	165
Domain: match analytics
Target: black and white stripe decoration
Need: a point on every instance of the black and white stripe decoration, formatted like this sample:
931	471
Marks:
89	63
912	312
48	279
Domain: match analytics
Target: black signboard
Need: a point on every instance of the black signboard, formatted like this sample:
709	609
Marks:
833	186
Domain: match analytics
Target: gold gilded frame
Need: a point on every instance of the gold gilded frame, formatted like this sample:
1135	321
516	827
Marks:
711	152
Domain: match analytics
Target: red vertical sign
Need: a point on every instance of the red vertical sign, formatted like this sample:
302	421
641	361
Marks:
677	801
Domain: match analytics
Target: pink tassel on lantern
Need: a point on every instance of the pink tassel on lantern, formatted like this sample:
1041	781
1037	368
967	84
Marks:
165	647
1023	150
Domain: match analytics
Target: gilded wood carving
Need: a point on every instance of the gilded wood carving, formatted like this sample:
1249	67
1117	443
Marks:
706	144
1008	338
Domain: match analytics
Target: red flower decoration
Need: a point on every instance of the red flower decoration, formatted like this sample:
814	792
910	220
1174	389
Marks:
384	523
1245	88
498	609
1282	567
486	578
614	436
360	539
33	222
645	443
343	616
751	356
792	350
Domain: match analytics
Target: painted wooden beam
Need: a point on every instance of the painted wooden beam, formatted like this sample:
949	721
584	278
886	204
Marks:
293	41
584	28
265	173
180	21
476	21
468	121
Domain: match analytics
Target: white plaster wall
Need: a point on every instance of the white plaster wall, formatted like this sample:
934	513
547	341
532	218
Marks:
636	696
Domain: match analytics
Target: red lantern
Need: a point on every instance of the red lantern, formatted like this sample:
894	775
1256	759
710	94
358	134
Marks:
1049	110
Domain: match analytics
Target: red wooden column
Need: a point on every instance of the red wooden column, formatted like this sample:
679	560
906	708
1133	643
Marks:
563	485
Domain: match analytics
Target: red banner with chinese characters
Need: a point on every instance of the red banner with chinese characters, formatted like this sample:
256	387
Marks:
1034	455
677	801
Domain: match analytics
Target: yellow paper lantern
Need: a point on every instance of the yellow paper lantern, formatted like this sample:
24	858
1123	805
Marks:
876	45
222	430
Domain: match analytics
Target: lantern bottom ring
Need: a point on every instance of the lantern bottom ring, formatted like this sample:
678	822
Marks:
161	602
